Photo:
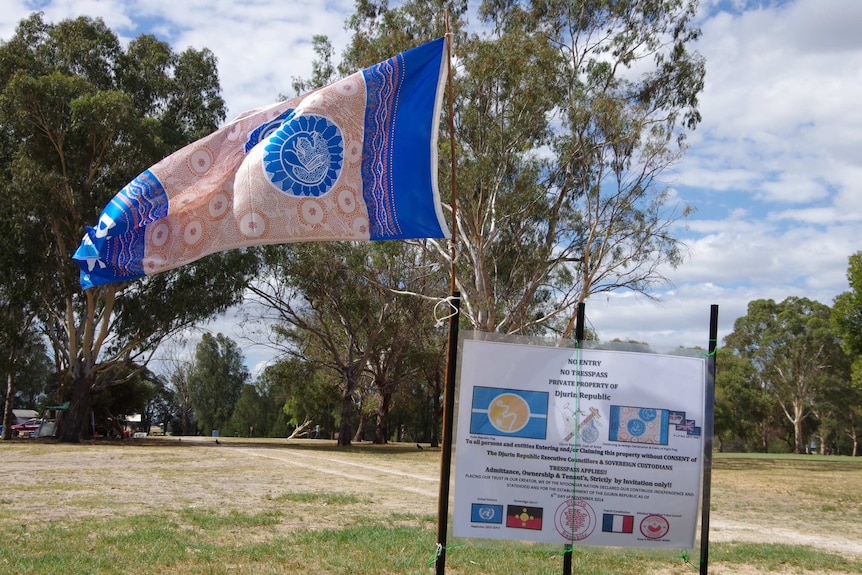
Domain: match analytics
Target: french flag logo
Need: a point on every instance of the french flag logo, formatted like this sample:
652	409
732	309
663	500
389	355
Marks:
618	523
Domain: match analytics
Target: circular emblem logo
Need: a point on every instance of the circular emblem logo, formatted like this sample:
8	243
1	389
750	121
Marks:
303	157
575	519
487	512
636	427
590	433
654	526
509	413
263	131
647	414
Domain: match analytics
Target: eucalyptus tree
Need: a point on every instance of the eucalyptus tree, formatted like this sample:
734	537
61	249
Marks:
24	364
796	354
414	334
324	311
81	116
567	114
339	307
847	321
216	381
305	394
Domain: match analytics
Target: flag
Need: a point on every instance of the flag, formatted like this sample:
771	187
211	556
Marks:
521	517
486	513
354	160
509	412
618	523
638	425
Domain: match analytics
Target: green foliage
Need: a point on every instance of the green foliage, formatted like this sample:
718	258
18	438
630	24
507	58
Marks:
80	118
796	356
847	311
346	309
301	393
565	115
743	413
216	381
846	320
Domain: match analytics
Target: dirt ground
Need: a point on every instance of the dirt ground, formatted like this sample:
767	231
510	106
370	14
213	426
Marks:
53	482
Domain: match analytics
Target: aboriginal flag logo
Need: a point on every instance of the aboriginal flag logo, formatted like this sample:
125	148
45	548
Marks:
521	517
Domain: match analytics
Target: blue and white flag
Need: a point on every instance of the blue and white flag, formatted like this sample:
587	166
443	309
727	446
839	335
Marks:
355	160
509	412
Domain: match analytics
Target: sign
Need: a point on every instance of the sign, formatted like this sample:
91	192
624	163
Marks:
587	447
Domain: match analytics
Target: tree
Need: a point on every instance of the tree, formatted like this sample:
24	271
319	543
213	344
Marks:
327	312
847	321
303	393
80	118
566	116
743	408
23	361
796	355
159	408
113	404
217	380
176	369
250	415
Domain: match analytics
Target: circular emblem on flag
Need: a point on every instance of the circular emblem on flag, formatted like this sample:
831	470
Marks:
647	414
636	427
303	157
486	512
263	131
509	413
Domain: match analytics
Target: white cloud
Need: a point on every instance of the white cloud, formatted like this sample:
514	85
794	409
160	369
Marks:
780	101
774	169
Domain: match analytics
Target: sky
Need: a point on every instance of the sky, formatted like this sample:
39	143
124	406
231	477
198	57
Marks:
774	170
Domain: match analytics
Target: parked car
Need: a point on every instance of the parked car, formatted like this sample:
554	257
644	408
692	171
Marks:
27	426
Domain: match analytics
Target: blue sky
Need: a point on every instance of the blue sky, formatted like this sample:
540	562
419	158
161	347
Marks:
774	169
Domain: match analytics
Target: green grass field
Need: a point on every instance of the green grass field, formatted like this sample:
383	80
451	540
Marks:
267	507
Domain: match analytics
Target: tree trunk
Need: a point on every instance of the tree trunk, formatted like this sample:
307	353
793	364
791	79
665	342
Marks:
381	424
346	412
797	434
75	422
363	419
7	412
436	409
855	436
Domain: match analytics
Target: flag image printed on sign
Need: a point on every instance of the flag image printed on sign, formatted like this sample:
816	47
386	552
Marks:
638	425
618	523
509	412
521	517
486	513
355	160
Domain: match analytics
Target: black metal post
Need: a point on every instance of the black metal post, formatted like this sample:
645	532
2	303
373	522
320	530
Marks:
708	433
579	337
446	443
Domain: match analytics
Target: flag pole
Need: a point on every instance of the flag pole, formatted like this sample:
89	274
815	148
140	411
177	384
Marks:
452	345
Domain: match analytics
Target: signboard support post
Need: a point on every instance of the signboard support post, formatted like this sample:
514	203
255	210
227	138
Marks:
446	442
708	432
579	337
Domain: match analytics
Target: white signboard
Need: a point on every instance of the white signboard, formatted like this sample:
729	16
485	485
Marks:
585	447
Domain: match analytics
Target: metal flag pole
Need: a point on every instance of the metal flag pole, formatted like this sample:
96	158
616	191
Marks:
579	339
452	345
708	432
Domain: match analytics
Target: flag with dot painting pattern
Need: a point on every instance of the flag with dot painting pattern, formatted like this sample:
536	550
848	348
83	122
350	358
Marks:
354	160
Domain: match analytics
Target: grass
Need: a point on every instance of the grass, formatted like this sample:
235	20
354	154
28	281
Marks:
62	526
